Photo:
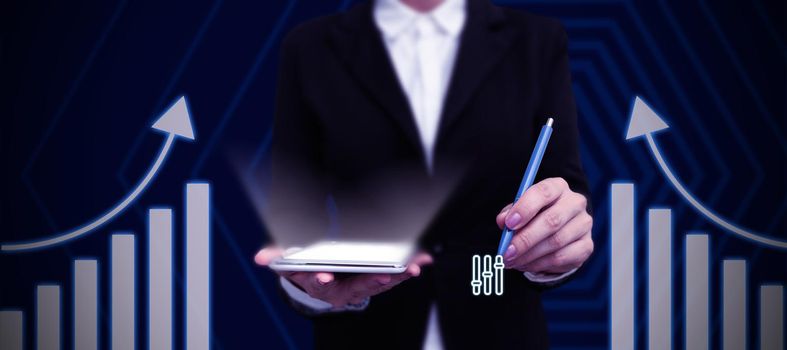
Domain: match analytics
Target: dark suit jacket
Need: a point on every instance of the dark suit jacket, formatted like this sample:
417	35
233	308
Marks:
342	119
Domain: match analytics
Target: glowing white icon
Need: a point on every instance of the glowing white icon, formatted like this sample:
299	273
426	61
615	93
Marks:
484	277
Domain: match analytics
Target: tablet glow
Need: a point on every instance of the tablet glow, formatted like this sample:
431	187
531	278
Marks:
350	252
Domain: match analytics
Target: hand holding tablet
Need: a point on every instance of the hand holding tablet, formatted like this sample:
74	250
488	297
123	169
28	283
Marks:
349	289
350	257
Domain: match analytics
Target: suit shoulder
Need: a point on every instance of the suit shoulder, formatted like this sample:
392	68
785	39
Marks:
310	32
533	24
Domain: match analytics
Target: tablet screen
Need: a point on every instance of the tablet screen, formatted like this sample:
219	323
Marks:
353	252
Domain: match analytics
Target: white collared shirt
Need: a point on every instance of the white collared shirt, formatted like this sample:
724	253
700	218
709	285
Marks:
423	49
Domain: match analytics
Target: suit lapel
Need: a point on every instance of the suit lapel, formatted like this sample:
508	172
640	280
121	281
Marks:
368	61
484	41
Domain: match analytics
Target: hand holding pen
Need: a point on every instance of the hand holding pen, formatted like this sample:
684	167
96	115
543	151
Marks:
546	231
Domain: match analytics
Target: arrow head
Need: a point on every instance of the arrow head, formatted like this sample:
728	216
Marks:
176	120
643	120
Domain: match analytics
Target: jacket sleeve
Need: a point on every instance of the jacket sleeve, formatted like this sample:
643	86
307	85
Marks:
562	157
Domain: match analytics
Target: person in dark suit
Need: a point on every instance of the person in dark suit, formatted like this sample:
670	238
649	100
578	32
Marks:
444	90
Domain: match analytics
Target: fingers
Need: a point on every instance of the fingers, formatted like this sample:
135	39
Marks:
414	268
533	200
574	230
310	281
422	259
265	256
564	259
545	225
355	289
323	278
501	217
324	286
372	282
360	287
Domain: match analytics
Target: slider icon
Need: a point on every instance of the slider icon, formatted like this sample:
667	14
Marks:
486	275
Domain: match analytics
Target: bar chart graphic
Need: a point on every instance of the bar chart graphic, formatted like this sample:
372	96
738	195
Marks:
175	122
644	122
698	312
120	271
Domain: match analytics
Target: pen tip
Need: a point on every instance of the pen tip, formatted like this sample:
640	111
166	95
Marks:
550	121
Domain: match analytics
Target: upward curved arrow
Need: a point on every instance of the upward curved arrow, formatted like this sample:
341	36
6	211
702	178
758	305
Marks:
175	122
644	122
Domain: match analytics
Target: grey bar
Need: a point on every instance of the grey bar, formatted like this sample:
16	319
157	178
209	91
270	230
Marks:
160	275
12	331
697	292
123	292
660	279
734	305
48	335
771	317
85	304
197	266
622	267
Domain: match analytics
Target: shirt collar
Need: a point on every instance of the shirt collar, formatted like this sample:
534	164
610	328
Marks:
393	17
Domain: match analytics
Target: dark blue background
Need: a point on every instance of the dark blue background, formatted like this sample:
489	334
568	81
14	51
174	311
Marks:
83	80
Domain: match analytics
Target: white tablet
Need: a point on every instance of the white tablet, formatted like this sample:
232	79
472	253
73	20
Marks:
352	257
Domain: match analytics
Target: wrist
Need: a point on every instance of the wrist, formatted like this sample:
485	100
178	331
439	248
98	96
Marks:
316	305
356	306
548	278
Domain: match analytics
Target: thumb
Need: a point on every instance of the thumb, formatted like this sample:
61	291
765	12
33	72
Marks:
422	259
501	217
265	256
